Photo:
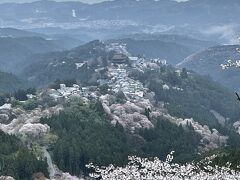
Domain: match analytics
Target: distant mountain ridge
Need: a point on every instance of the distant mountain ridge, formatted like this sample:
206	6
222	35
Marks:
192	44
120	9
17	33
14	51
174	48
170	51
136	16
65	41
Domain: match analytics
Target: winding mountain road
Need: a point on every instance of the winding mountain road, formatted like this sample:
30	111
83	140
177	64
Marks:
51	168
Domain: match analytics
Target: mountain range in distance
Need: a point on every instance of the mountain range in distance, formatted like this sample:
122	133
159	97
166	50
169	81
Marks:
216	21
172	47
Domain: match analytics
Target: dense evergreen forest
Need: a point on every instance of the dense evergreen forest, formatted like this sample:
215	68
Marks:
196	96
231	156
166	137
10	83
85	136
19	95
17	161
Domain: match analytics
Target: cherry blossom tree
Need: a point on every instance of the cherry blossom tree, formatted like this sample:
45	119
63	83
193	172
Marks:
146	169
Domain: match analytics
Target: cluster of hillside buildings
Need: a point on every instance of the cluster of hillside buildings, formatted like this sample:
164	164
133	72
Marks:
119	48
119	81
65	92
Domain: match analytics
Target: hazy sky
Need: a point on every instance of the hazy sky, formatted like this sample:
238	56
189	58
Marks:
86	1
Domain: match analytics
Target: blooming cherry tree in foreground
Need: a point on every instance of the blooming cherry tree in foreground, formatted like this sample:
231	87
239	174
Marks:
145	169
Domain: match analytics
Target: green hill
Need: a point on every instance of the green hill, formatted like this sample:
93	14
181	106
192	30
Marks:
9	83
207	62
14	51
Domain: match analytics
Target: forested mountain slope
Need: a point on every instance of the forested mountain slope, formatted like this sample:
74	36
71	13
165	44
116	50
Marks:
14	51
208	62
10	83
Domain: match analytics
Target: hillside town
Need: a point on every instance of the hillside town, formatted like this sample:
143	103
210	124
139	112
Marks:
119	90
130	113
